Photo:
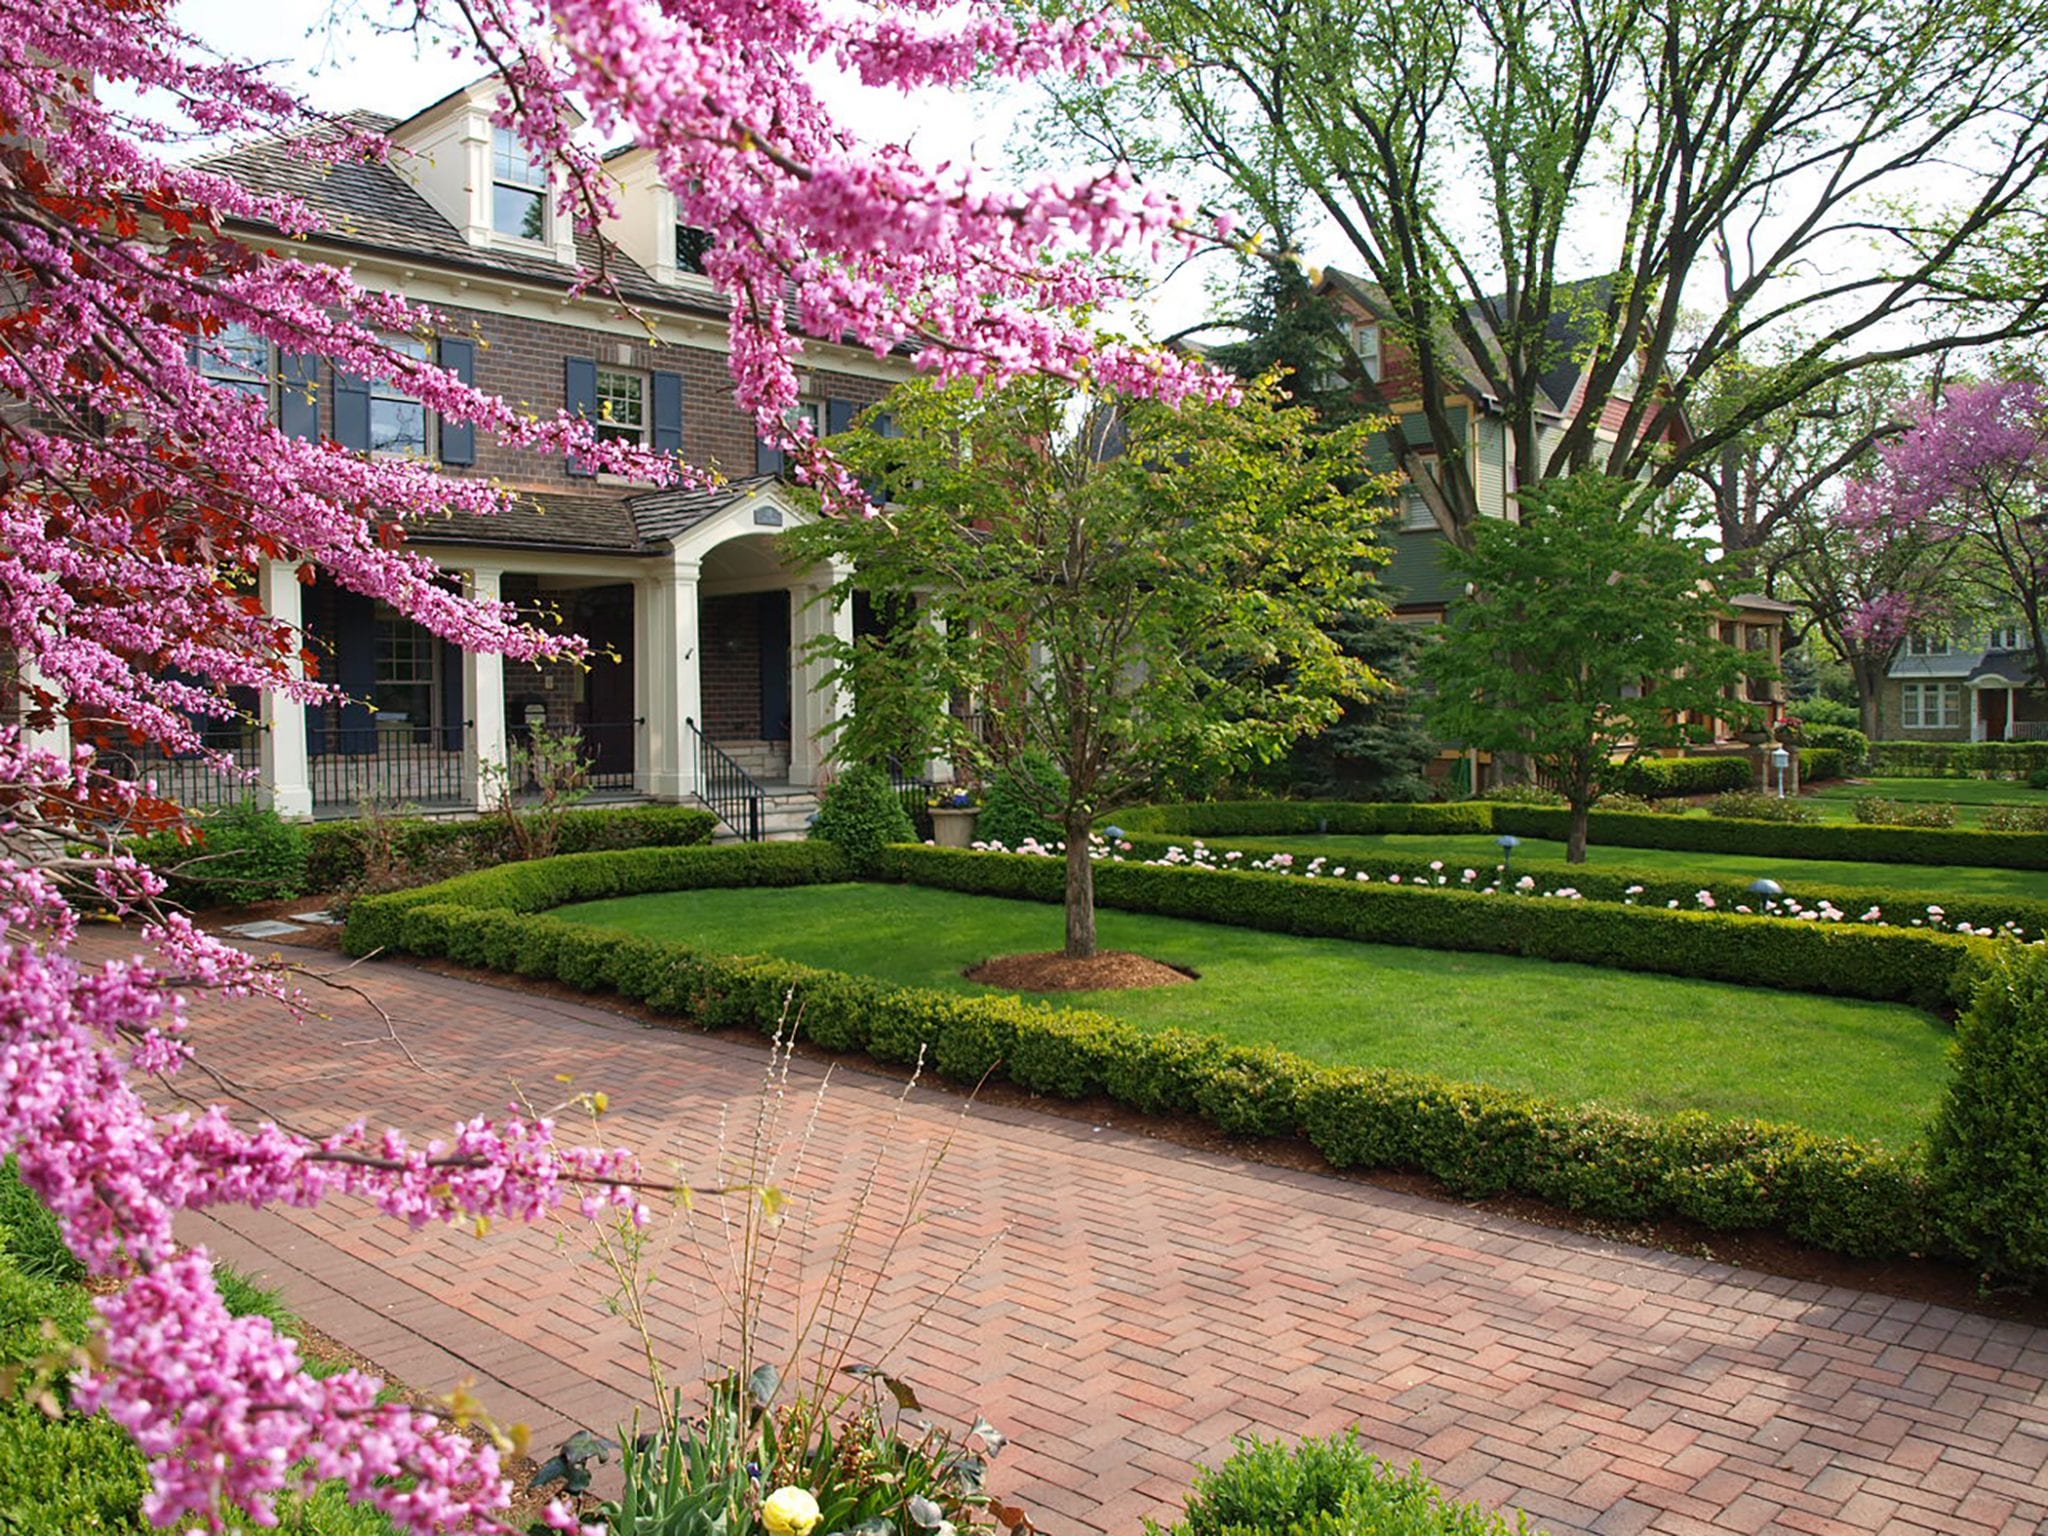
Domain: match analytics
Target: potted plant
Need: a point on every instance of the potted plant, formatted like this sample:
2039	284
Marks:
954	813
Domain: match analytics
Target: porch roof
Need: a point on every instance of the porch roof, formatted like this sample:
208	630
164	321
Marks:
2003	669
665	515
563	520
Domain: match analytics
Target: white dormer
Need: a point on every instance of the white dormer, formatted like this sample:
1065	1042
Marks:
646	226
481	178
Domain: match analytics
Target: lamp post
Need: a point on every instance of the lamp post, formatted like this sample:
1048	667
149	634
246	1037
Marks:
1781	760
1508	844
1769	890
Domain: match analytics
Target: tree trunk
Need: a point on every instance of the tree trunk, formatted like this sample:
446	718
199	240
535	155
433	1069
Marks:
1869	679
1080	889
1575	844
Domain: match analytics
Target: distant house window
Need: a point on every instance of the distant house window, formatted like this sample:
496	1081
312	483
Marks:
1365	345
2011	637
398	422
237	359
806	413
621	406
692	244
1931	706
1415	514
519	188
403	688
1926	645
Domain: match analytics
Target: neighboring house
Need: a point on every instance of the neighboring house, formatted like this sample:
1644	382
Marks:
1422	588
1979	688
697	624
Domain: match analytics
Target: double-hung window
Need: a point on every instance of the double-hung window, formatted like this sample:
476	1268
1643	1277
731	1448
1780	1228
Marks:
1926	645
1365	346
621	406
519	188
237	359
692	245
1931	706
2008	637
398	422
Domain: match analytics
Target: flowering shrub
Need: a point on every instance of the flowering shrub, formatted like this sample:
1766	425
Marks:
2015	818
1904	813
1752	805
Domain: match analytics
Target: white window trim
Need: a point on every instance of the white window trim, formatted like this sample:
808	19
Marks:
214	372
1913	702
544	187
646	402
1372	362
389	390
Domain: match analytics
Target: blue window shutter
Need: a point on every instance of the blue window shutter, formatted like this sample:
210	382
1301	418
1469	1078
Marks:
768	459
458	438
298	402
355	671
579	394
452	717
351	411
838	417
668	413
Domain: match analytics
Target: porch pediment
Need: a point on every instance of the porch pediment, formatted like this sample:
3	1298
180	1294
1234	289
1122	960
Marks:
694	522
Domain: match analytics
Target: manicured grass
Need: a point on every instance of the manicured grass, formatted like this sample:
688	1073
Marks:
1479	851
1569	1032
1970	796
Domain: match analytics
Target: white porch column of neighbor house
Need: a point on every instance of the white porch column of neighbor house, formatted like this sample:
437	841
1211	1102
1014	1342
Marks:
284	777
54	738
816	706
484	761
669	678
939	770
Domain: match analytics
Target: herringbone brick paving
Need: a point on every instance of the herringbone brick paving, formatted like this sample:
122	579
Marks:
1142	1304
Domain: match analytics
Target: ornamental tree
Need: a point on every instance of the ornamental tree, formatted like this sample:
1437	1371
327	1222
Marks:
140	508
1133	592
1970	474
1588	634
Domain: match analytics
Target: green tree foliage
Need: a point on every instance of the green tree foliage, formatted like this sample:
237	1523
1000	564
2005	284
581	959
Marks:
1627	190
1135	591
1588	632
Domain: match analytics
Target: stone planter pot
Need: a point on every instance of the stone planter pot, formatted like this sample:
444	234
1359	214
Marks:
953	826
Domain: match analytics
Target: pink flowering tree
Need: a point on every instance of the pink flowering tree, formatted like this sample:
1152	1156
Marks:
1969	479
139	506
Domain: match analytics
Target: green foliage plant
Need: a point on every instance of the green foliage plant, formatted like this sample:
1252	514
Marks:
1011	814
1588	636
377	852
1325	1487
861	815
1988	1147
1879	811
2015	818
1755	805
230	857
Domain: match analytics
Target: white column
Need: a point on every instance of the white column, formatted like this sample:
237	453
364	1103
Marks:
284	777
484	761
816	706
674	687
1976	698
54	738
941	769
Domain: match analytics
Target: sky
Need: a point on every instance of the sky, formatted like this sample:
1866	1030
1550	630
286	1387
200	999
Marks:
336	53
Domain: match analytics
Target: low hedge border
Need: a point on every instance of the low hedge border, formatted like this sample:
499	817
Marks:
1838	1194
337	850
1903	965
1657	778
1959	759
1606	882
1613	829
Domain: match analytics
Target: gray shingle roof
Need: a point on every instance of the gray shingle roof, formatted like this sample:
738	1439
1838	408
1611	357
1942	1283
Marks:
546	520
662	515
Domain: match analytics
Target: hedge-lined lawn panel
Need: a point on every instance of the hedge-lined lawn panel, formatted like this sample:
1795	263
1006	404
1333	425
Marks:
1969	796
1568	1032
1466	851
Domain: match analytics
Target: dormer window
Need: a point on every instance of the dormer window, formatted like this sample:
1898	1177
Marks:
692	244
1365	346
519	188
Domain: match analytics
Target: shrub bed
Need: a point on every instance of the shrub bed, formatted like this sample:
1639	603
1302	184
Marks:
1760	805
1818	763
1907	965
1836	1193
1877	810
1655	778
1265	818
1957	759
419	851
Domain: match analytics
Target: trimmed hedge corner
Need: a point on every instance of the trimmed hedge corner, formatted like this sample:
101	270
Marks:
1271	818
1842	1195
1657	778
1908	965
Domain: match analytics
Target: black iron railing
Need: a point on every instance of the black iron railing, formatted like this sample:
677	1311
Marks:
726	787
393	763
916	795
608	751
193	779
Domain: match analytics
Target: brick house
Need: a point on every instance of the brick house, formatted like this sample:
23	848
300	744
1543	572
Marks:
1964	688
1423	587
698	623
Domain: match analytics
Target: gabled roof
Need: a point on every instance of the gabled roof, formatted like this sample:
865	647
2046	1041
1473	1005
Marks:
373	208
664	515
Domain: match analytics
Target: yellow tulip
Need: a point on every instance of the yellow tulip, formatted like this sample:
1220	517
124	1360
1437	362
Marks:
789	1512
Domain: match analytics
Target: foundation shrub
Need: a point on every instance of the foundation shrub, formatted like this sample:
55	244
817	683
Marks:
860	815
235	855
1659	777
396	853
1876	810
1818	763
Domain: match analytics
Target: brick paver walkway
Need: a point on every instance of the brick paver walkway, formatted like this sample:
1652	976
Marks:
1143	1304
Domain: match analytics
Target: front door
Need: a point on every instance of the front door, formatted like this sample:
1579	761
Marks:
604	617
773	618
1993	708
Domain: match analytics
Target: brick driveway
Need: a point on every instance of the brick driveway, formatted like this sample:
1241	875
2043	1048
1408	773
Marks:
1142	1304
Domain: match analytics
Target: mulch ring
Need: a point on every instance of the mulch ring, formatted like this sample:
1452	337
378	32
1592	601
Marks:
1109	970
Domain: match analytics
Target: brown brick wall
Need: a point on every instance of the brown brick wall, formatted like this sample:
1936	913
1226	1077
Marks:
729	641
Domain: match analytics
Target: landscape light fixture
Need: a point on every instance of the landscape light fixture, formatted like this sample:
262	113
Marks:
1770	890
1508	844
1781	760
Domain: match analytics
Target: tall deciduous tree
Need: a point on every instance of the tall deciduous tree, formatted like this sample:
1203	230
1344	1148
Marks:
1588	633
1137	591
1719	172
140	506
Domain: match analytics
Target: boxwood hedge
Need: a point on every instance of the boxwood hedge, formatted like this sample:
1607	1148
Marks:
337	850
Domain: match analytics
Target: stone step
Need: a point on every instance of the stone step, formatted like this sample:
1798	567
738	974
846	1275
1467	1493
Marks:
786	812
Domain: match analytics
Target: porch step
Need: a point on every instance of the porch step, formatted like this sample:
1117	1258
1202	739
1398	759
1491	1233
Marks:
767	761
786	811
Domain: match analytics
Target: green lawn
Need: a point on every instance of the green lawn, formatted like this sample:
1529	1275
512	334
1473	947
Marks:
1480	851
1970	796
1569	1032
